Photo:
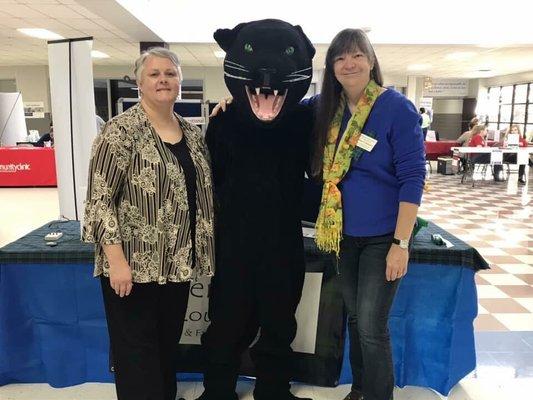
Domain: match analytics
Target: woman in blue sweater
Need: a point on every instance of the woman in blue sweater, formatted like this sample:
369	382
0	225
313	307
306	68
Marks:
369	153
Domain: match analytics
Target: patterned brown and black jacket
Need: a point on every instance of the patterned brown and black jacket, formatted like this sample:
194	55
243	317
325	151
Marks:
137	197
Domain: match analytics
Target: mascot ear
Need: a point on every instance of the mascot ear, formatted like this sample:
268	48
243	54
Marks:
308	43
226	37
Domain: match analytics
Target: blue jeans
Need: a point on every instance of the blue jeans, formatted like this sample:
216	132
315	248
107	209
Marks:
368	298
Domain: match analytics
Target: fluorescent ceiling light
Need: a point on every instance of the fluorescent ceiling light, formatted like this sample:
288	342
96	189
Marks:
220	53
484	73
98	54
40	33
418	67
479	74
460	55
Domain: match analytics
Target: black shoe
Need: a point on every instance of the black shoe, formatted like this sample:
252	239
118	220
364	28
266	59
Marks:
522	181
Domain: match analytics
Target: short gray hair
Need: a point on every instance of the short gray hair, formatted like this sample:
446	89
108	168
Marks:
156	52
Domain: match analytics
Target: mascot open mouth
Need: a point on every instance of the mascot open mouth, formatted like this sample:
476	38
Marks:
266	103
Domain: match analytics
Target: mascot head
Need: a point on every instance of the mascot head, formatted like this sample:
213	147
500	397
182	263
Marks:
267	67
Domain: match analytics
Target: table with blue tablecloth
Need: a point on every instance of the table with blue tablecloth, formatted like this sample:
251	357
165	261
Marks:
53	329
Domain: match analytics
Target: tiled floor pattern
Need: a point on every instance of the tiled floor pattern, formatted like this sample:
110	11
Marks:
500	227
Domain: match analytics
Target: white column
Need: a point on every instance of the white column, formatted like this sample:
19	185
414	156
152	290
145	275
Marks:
412	89
74	116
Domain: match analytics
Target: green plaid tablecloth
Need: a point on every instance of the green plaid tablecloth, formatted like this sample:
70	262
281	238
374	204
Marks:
32	248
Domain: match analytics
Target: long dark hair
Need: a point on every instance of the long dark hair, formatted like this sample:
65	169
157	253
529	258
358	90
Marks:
346	41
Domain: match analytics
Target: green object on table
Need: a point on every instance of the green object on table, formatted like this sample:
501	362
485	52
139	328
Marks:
419	224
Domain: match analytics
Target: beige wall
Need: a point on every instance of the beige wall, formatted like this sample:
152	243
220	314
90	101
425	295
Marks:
112	72
8	85
447	106
7	72
395	80
213	77
33	82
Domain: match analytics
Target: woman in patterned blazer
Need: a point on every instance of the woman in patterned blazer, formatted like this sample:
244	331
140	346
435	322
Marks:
149	210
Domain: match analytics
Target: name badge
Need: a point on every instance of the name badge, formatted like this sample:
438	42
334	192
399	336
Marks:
366	142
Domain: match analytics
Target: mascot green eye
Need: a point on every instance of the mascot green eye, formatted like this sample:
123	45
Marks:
289	51
248	48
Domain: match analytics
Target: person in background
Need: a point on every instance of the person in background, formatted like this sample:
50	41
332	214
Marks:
465	137
47	137
511	158
463	141
149	210
479	135
426	121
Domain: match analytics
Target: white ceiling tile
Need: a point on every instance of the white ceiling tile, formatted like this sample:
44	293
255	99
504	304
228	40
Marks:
22	11
83	11
80	23
30	2
14	23
57	11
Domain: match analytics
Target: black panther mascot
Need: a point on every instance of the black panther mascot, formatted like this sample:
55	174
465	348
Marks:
259	150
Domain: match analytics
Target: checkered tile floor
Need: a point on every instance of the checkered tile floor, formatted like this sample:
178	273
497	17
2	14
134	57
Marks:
500	227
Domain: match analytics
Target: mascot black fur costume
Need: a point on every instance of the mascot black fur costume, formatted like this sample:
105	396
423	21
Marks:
259	150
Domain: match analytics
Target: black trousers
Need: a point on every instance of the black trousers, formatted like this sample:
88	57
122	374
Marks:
245	298
368	298
144	330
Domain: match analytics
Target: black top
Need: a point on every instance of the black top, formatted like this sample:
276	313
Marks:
45	138
183	155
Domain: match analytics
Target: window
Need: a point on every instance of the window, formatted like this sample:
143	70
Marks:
505	113
512	104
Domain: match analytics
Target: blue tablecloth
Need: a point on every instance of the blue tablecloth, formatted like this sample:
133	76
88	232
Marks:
53	329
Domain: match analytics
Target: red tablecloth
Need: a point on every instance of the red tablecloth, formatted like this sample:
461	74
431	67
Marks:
439	149
27	166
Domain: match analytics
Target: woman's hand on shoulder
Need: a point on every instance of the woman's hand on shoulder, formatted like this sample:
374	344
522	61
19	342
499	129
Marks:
222	105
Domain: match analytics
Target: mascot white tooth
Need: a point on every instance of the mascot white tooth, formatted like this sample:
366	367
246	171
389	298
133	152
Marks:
259	150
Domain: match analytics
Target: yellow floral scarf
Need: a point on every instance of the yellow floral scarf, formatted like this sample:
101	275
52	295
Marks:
337	161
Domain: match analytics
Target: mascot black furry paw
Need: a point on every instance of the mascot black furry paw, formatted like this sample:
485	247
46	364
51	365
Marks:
259	150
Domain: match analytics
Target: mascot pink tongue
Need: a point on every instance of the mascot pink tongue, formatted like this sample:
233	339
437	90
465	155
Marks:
259	154
265	106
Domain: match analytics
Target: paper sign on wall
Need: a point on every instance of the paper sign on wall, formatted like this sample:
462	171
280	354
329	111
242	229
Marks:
34	109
